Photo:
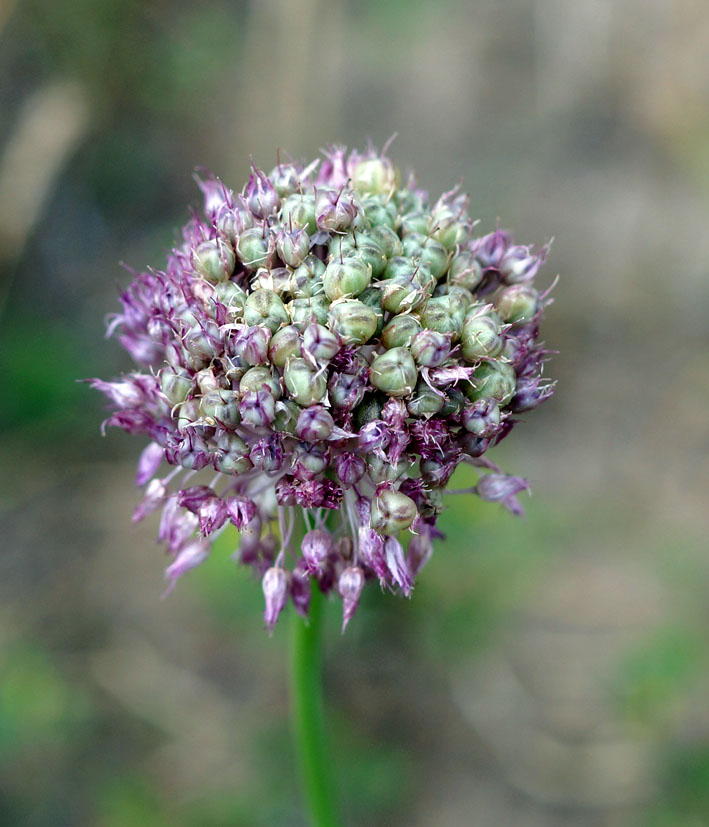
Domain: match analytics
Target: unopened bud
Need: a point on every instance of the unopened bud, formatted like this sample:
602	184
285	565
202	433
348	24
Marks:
285	343
400	331
275	591
392	512
252	248
353	320
518	303
482	418
305	385
322	344
492	379
264	307
214	260
350	586
346	278
314	424
430	349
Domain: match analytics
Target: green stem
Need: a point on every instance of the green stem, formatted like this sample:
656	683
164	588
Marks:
308	715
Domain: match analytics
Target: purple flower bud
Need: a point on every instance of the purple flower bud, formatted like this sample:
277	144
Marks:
149	462
300	590
193	498
241	510
374	437
315	549
212	514
188	557
418	552
520	265
482	418
314	424
371	549
320	343
261	195
349	468
346	390
252	345
396	564
309	459
501	488
335	211
257	408
267	453
430	348
350	587
155	495
490	249
275	590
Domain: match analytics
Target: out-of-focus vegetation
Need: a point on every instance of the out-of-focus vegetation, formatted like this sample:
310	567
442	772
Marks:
548	671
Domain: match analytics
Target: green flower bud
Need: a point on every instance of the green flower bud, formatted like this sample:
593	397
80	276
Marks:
394	372
276	279
465	270
372	297
400	331
214	260
443	315
305	385
409	201
380	211
375	176
346	279
287	413
425	401
409	288
392	512
222	406
264	307
252	248
175	384
387	240
306	280
285	179
496	380
355	322
260	378
518	303
314	310
460	298
299	211
481	338
284	344
415	222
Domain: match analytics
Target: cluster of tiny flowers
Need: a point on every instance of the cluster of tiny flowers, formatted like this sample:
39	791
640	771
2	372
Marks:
332	346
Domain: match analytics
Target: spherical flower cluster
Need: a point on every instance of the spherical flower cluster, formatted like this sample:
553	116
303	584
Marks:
332	346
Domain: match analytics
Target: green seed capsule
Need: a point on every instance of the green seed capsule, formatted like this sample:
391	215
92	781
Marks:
284	344
287	413
454	402
443	315
214	260
346	279
264	307
222	406
425	401
449	227
392	512
314	310
481	338
359	246
394	372
372	297
176	385
367	411
232	297
252	248
381	470
299	211
400	331
375	176
465	270
387	240
518	303
496	380
380	211
415	222
429	251
258	379
353	320
306	280
305	385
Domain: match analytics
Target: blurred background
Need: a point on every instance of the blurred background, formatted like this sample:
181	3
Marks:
549	671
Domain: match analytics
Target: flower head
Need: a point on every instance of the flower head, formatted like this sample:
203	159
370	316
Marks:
332	346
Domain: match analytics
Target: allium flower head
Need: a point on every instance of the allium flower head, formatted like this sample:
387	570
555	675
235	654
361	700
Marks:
331	345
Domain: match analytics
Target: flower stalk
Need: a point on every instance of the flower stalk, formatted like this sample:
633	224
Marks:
308	714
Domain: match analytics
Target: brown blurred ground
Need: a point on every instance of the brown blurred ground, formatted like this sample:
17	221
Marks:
554	671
